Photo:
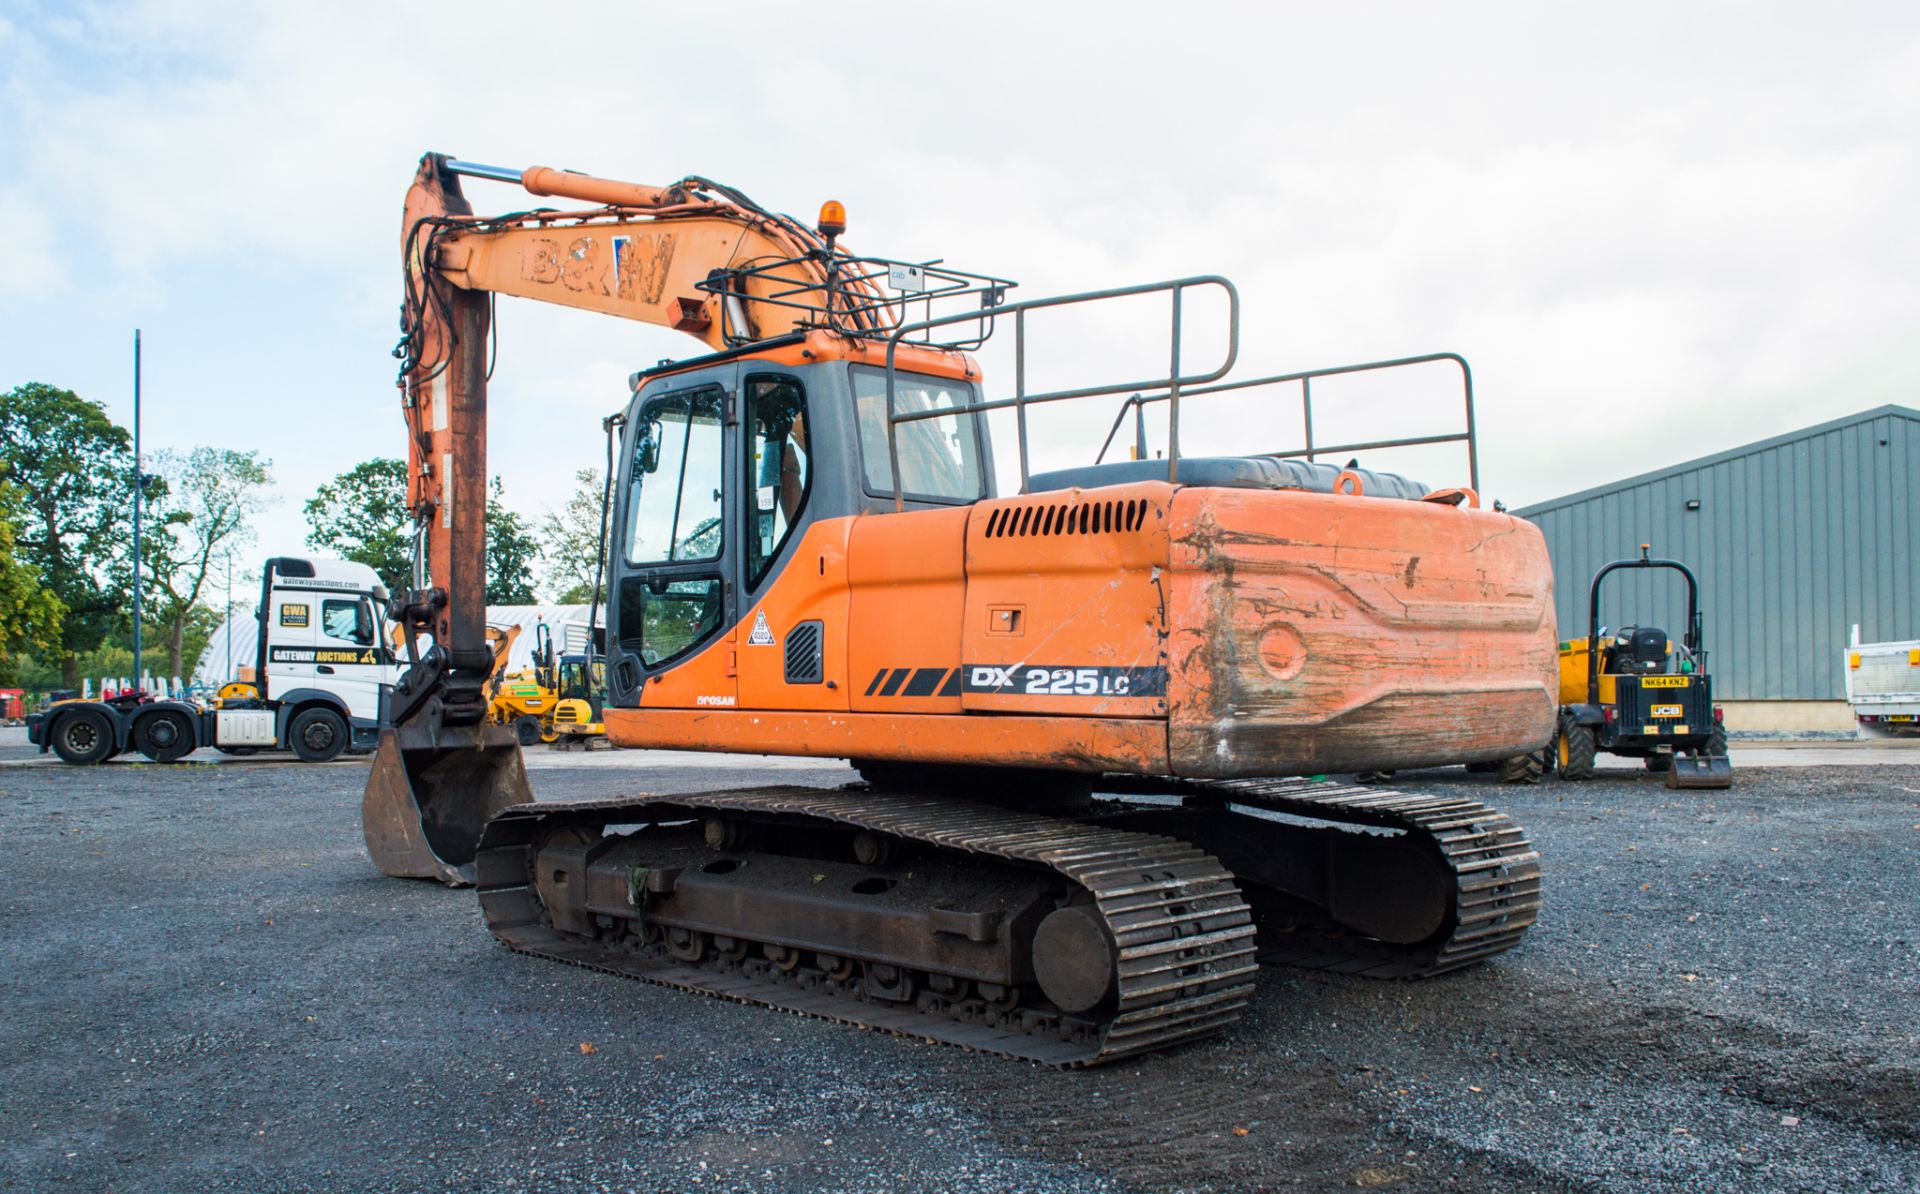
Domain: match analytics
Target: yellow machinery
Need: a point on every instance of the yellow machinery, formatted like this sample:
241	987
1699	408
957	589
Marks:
577	711
555	700
524	700
1627	692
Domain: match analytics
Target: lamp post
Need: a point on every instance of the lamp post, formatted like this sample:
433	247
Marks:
139	494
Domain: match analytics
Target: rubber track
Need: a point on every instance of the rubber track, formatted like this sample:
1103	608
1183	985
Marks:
1496	871
1185	937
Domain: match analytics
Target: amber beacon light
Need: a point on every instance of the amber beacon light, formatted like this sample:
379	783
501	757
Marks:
833	218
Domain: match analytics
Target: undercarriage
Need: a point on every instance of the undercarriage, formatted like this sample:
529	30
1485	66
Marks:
1108	927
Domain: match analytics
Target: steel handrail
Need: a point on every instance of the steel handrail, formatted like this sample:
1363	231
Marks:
1174	382
1138	402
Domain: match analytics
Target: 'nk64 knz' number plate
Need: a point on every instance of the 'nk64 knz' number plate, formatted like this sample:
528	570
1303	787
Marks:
1665	681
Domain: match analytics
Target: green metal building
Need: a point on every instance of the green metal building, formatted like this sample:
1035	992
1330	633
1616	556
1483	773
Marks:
1795	540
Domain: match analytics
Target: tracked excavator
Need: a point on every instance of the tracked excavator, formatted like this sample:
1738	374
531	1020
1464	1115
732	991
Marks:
1091	714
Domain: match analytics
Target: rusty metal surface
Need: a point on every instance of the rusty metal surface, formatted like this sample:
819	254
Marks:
1449	883
1181	937
431	791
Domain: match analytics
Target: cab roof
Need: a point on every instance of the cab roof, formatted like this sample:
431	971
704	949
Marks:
818	346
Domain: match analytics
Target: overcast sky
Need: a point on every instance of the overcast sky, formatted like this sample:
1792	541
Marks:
1656	230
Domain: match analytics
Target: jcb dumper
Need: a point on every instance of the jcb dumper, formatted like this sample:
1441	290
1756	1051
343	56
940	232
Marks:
1628	692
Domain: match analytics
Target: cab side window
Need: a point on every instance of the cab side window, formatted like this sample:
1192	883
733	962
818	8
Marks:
780	467
350	621
663	620
673	500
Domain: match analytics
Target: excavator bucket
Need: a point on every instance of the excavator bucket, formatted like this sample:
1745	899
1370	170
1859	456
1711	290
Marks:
433	791
1700	771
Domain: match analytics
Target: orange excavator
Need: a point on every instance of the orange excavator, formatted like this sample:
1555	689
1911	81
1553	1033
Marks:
1093	715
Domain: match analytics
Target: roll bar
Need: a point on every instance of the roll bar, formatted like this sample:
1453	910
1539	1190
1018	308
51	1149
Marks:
1691	640
1174	382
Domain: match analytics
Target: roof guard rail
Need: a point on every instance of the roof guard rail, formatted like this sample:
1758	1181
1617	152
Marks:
1305	377
859	296
1174	383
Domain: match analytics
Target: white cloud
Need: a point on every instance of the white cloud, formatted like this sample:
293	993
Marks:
1697	219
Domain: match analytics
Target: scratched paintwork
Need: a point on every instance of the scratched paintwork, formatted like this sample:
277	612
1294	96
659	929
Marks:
1325	632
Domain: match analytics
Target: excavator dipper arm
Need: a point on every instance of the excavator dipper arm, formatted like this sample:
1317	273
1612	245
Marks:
441	771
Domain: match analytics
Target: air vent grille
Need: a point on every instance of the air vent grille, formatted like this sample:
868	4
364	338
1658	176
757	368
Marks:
804	653
1060	518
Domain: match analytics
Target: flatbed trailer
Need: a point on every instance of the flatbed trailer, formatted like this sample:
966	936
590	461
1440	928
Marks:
1883	686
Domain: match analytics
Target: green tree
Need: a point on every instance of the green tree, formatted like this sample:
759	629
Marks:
202	511
30	616
73	468
572	544
512	550
362	515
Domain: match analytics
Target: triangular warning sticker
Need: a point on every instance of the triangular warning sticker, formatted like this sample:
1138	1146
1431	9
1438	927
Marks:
760	636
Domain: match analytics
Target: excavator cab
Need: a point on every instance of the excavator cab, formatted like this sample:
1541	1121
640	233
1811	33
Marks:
724	468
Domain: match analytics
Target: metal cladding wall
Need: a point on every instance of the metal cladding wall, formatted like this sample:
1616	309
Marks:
1795	539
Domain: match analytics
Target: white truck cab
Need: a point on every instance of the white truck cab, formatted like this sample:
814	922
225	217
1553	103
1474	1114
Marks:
323	659
322	628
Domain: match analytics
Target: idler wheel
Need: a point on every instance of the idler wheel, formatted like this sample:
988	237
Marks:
1074	958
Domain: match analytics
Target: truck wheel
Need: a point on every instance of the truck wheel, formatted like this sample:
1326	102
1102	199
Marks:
1523	769
1717	741
317	735
163	737
1577	749
83	738
527	728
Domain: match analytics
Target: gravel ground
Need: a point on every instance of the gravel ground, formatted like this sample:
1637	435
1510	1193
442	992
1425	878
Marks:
205	985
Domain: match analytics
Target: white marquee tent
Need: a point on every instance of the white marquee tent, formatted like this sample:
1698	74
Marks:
233	644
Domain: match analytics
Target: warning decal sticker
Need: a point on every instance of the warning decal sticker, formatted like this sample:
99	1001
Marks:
760	636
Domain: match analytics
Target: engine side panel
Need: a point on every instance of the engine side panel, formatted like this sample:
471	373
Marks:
1323	632
1065	610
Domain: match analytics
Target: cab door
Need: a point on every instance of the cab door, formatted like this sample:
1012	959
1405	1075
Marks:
674	543
791	566
290	625
349	659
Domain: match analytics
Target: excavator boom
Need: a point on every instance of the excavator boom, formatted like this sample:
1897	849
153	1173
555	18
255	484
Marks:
644	256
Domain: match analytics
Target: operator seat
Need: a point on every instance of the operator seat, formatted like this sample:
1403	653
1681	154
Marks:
1638	651
1228	472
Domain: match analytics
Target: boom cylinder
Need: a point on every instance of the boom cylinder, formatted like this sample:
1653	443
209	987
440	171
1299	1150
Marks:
565	184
